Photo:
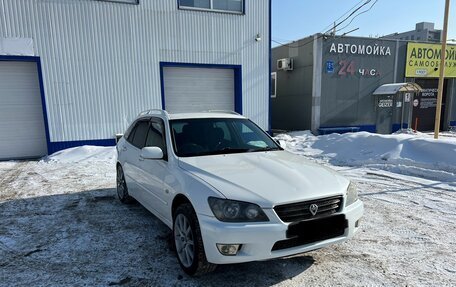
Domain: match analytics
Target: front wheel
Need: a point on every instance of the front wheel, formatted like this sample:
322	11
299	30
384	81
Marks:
188	242
122	190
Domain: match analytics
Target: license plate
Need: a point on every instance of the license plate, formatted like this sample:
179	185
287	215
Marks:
321	227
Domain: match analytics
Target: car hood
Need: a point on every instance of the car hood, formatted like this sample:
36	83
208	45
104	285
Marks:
266	178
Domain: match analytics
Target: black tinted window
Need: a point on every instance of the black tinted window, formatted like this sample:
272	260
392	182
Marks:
155	137
140	133
196	137
131	133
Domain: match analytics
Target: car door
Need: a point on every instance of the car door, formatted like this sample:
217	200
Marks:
131	151
154	171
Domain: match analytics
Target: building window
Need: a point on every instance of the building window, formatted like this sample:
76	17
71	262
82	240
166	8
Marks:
273	85
231	6
123	1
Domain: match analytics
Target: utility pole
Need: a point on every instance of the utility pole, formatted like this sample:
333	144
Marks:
442	72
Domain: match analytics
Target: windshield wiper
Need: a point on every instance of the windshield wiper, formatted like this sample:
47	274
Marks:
227	150
263	149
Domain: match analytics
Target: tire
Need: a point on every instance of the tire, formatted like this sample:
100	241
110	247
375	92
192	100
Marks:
188	243
122	190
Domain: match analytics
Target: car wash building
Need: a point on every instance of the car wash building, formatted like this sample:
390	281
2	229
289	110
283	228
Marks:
76	72
341	84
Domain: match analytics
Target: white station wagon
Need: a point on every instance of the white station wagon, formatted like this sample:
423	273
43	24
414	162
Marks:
229	192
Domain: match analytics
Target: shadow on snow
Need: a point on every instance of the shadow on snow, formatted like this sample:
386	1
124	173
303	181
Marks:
91	238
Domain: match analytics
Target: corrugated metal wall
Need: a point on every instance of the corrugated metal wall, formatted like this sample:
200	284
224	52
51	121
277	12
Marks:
100	60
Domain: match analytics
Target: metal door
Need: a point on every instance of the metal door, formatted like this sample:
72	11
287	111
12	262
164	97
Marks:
22	132
198	89
384	114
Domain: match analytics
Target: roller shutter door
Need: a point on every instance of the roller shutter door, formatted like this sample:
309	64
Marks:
198	89
22	132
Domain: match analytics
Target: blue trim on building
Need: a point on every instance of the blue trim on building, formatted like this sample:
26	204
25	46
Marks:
37	60
238	90
237	79
396	127
345	129
56	146
162	87
270	70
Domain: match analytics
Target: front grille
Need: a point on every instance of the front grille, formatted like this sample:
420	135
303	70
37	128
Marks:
301	210
305	232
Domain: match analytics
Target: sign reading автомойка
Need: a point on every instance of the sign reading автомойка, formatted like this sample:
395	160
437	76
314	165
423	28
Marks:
423	60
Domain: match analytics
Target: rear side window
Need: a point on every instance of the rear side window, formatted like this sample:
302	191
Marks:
138	135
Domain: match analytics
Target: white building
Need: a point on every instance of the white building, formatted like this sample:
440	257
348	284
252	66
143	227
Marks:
76	72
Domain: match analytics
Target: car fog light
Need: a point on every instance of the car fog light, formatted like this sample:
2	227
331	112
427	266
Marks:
228	249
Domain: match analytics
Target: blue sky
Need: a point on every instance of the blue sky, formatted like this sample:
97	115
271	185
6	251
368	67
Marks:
295	19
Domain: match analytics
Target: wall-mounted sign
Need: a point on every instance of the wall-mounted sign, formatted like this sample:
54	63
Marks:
360	49
385	103
423	60
347	68
407	97
329	67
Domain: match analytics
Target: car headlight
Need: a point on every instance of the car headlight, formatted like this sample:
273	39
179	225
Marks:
352	194
236	211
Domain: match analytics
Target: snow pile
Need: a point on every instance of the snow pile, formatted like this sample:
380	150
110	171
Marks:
84	154
417	155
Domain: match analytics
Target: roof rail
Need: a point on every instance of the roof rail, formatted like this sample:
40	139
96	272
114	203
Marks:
224	112
154	112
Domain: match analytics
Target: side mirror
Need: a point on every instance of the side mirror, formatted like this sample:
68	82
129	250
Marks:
118	137
281	143
151	152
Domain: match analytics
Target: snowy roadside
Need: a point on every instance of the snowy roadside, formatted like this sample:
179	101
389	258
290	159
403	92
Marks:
417	155
62	224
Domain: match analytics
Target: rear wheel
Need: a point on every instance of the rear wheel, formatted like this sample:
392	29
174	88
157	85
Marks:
188	242
122	190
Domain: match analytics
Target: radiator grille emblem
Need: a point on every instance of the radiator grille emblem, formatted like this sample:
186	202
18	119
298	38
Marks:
313	209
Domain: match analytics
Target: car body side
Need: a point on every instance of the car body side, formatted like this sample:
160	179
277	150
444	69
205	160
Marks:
180	181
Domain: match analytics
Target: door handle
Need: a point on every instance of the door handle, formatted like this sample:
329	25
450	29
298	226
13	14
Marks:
124	148
141	158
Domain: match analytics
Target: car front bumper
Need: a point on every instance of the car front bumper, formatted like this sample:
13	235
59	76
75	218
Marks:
258	238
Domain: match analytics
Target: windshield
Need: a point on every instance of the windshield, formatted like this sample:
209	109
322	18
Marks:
197	137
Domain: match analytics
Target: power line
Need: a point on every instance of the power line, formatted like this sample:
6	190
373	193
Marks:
365	11
290	45
330	25
351	14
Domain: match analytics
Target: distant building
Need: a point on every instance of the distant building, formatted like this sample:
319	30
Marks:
331	84
424	31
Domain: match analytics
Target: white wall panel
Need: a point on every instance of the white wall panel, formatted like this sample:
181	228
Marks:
100	60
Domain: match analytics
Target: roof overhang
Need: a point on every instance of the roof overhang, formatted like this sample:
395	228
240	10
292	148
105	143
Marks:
392	89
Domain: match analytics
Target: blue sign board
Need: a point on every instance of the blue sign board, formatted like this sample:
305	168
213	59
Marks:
329	67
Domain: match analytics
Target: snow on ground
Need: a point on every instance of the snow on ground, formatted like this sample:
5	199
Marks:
411	154
61	224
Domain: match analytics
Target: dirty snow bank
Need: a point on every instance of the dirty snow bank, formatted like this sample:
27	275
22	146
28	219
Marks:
84	154
411	154
64	172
